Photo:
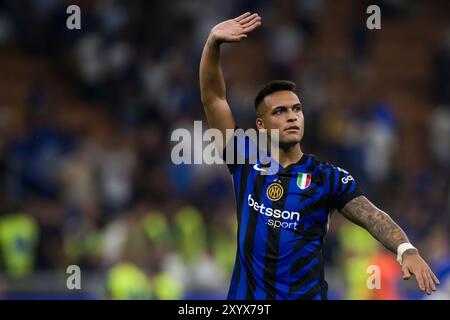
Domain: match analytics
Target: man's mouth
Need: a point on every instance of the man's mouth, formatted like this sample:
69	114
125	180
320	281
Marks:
292	128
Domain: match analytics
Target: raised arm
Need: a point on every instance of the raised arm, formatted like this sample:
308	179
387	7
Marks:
362	212
212	84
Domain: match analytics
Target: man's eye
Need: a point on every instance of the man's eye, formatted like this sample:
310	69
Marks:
298	108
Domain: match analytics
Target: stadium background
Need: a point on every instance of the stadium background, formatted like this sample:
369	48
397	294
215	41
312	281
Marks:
86	116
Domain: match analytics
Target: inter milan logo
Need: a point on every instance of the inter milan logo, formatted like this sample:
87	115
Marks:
303	180
275	191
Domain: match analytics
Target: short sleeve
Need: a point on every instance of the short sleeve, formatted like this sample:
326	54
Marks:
343	187
240	150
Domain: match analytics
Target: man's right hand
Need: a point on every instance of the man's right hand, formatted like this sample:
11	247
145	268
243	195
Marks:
234	30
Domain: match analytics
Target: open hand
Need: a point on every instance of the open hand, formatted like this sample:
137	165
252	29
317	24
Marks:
414	264
234	30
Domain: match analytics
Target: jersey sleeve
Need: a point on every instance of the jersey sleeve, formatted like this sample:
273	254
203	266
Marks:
240	150
343	187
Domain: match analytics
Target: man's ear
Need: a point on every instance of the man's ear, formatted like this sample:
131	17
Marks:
260	124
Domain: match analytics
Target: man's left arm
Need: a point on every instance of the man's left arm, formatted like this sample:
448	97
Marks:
381	226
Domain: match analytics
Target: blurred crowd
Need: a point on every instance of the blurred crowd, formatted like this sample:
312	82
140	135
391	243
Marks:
108	198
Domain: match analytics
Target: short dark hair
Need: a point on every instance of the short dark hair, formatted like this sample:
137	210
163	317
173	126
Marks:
271	87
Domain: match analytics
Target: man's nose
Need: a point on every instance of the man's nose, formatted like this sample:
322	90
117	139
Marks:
292	116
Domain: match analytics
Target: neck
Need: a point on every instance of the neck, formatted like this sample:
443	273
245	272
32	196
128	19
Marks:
287	154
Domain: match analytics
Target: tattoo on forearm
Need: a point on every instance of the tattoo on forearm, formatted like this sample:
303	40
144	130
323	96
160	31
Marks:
362	212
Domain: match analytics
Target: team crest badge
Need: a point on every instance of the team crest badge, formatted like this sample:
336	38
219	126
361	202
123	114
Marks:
275	191
303	180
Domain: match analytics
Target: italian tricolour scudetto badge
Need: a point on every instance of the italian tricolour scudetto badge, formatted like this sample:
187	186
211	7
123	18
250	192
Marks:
303	180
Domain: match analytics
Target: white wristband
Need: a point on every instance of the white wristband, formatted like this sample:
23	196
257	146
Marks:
401	249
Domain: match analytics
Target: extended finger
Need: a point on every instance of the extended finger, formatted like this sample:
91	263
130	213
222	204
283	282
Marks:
252	27
435	279
248	19
420	281
431	280
242	16
248	24
426	282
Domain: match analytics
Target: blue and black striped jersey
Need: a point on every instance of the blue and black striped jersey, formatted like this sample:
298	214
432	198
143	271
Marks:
282	222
